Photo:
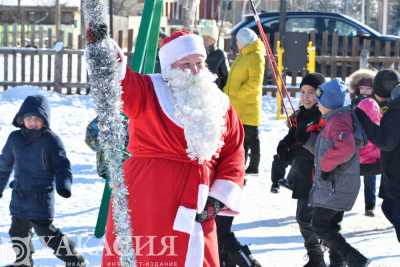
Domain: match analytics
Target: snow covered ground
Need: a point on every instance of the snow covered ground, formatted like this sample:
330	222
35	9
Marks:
267	221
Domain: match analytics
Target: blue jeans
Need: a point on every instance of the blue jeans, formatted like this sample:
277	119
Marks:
369	192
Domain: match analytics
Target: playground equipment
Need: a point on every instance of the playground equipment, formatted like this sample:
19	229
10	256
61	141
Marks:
294	61
143	61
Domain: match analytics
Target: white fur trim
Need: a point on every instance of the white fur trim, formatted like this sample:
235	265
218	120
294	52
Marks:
179	48
184	220
227	192
202	197
195	252
164	97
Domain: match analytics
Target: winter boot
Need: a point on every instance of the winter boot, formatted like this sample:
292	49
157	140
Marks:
354	258
335	259
253	164
224	260
275	188
236	254
286	183
23	249
315	257
369	213
64	249
242	257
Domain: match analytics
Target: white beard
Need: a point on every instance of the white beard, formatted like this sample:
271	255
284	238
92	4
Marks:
200	107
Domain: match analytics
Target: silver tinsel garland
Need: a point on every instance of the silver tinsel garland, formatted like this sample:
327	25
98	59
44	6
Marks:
104	81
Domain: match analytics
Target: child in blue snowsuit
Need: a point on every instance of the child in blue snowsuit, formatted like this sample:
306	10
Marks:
40	165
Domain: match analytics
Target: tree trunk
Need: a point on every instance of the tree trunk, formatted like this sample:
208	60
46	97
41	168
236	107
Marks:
83	26
189	8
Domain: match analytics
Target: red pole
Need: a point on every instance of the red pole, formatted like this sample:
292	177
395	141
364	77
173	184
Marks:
271	59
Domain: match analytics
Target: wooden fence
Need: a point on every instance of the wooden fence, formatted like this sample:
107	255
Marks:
59	68
63	69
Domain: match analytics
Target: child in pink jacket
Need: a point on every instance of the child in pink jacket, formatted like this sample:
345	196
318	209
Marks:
361	95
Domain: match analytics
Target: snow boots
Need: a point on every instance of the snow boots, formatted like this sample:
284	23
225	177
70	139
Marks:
64	249
335	259
315	257
23	249
354	258
350	255
234	254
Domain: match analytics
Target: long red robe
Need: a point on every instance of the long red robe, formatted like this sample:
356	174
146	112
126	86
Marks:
166	188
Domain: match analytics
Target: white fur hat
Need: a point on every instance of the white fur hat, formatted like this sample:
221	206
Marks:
209	28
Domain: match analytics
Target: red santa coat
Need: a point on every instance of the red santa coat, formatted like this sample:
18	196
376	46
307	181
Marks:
166	188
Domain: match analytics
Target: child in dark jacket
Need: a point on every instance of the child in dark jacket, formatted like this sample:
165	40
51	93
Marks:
293	147
40	163
293	142
387	137
337	173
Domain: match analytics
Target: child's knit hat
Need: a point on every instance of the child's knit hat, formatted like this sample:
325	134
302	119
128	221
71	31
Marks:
313	79
246	36
332	94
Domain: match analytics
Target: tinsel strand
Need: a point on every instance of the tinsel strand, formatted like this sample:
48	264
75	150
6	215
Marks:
101	58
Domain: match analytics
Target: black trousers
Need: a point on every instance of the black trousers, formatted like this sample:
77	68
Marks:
391	209
278	170
304	215
21	234
326	224
252	144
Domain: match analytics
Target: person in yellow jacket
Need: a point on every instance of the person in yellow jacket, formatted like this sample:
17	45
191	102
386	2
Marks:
244	88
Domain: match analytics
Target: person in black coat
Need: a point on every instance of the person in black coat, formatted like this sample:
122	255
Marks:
387	137
293	149
37	156
216	60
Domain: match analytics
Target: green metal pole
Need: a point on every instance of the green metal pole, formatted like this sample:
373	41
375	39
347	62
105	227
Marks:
137	60
103	211
152	42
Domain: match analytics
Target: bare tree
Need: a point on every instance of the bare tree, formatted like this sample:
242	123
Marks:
394	27
126	7
189	8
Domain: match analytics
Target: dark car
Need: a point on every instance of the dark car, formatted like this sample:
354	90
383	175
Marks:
308	22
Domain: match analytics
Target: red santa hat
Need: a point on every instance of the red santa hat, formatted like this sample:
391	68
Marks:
179	45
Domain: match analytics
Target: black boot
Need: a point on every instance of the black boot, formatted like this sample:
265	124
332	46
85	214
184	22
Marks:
253	164
354	258
335	259
315	257
236	254
286	183
23	249
64	249
275	188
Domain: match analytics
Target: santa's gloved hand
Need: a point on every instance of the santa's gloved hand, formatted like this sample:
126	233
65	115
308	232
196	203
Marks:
1	194
96	32
326	176
212	208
